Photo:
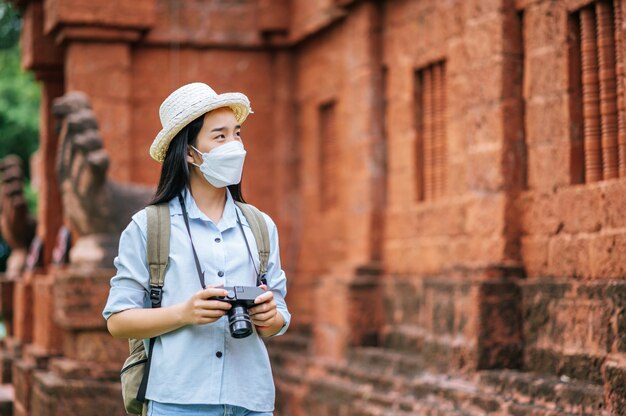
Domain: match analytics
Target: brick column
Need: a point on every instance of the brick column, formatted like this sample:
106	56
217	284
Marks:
102	71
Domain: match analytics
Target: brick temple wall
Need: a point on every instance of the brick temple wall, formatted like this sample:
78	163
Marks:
448	178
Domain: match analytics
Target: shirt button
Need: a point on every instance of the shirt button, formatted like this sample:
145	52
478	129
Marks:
218	240
218	354
220	273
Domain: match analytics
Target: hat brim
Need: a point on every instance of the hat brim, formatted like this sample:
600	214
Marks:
237	102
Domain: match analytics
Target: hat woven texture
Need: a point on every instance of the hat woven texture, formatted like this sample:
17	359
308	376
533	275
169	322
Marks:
188	103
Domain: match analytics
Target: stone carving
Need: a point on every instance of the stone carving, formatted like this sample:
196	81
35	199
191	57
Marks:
96	208
17	226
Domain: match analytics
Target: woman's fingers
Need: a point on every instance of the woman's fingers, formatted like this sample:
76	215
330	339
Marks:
211	313
212	304
263	307
263	317
265	297
211	291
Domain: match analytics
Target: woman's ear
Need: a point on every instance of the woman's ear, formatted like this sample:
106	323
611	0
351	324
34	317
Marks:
190	155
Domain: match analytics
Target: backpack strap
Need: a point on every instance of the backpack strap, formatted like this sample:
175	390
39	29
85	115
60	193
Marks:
158	252
258	226
158	248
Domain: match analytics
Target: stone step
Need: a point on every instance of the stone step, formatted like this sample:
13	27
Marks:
443	352
516	409
419	391
387	361
376	381
284	357
350	399
372	372
572	396
295	342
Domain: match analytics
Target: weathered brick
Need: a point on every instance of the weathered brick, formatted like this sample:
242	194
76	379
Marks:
486	171
569	256
614	373
46	334
23	315
38	49
139	15
548	166
546	119
538	211
579	209
485	215
535	255
606	253
613	203
545	25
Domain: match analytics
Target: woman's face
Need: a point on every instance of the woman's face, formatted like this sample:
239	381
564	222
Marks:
219	127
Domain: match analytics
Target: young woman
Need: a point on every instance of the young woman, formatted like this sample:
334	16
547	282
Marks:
197	367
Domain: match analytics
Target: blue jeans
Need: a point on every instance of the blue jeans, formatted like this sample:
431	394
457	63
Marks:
171	409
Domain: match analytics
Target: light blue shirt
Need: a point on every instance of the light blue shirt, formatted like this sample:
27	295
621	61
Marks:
201	364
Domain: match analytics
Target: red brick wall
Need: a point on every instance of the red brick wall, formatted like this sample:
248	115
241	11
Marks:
465	227
570	230
339	67
202	23
573	232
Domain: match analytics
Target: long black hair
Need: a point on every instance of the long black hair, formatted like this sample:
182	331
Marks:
175	171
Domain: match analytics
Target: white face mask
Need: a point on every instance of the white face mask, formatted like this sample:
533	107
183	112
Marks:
223	165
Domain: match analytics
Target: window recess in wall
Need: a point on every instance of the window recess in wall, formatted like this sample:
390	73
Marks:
328	149
430	129
598	147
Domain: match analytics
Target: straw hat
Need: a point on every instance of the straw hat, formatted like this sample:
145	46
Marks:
188	103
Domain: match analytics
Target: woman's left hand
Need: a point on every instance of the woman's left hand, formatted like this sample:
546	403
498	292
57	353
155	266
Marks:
264	314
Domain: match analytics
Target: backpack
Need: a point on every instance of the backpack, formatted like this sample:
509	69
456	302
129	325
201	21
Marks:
136	368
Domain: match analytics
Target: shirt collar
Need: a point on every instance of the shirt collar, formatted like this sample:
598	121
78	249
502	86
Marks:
229	217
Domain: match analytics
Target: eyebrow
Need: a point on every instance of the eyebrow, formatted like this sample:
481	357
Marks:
238	126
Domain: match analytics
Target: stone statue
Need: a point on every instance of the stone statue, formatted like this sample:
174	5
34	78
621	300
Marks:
96	208
17	226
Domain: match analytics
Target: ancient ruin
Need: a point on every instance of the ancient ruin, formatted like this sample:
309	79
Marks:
448	179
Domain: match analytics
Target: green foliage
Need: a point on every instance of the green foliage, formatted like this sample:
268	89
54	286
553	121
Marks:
10	25
31	198
19	94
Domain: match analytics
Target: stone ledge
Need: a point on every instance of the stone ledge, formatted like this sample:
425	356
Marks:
53	395
571	326
442	351
376	381
572	396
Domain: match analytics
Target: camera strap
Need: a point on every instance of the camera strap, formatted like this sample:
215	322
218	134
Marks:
259	279
193	248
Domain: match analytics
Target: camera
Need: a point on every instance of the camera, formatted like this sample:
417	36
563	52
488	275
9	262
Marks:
241	298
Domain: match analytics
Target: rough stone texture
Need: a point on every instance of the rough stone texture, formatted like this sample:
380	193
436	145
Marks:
54	395
23	312
614	373
80	297
22	381
47	334
574	328
139	15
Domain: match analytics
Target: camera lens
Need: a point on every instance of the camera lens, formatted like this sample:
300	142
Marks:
239	321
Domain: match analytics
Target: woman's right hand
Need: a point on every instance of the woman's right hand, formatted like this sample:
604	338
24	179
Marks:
200	309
